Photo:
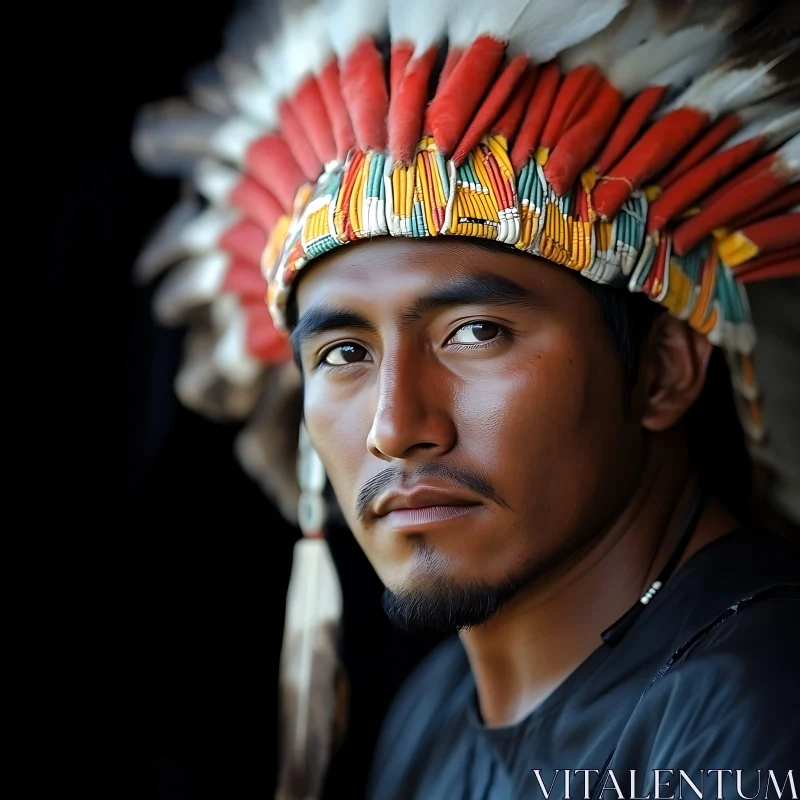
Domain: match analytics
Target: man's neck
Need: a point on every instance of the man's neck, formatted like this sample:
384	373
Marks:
543	634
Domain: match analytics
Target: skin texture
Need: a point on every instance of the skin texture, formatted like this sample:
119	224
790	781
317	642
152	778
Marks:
518	407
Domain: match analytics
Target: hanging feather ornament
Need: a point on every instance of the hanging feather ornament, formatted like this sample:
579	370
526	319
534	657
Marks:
309	656
267	445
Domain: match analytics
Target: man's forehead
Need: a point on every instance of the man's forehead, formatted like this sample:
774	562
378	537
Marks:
385	256
401	268
397	284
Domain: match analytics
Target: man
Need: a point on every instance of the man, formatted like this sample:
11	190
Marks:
506	481
528	450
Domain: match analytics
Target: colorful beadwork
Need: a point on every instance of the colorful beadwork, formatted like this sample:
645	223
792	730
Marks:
483	198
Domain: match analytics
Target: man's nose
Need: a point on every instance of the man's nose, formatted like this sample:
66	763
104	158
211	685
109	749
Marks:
413	416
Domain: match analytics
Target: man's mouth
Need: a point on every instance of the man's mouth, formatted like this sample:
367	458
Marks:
423	505
427	515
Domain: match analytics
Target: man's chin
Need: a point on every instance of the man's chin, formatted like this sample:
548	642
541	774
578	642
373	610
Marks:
446	607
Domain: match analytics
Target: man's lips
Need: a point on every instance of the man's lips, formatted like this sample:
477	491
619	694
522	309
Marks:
423	506
408	517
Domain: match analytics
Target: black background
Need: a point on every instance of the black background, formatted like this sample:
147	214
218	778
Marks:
185	565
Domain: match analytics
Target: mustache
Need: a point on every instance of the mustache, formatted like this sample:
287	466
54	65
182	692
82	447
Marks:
453	476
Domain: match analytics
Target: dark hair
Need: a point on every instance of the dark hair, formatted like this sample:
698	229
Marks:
629	317
715	436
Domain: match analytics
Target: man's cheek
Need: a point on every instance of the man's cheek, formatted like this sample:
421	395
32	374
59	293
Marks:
339	437
523	403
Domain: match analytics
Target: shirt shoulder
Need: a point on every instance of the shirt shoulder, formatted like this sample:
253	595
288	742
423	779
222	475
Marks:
722	700
435	693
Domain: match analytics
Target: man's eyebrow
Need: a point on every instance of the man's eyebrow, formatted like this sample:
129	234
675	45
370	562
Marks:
485	289
319	319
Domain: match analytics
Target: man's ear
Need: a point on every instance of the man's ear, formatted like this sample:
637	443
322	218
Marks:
674	373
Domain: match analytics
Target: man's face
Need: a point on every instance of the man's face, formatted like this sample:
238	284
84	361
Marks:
468	406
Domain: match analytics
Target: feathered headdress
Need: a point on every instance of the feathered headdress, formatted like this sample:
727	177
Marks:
645	144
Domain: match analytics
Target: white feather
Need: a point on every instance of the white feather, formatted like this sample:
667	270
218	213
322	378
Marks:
253	97
168	137
729	88
207	88
304	48
469	19
253	24
624	33
192	284
547	27
203	233
677	57
166	246
350	21
651	44
782	128
767	109
230	355
420	22
679	74
233	138
267	445
775	122
788	156
308	669
215	181
223	311
199	386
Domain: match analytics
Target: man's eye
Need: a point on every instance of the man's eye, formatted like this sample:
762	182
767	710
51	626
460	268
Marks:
475	333
345	354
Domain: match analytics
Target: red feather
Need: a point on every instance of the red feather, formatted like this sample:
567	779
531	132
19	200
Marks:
408	106
309	108
656	148
718	133
295	136
533	122
256	202
329	84
270	161
509	122
576	147
245	240
490	108
574	90
365	94
692	185
763	184
459	97
627	129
